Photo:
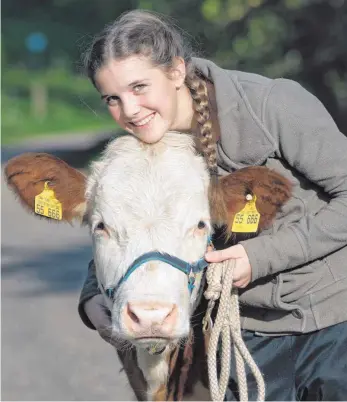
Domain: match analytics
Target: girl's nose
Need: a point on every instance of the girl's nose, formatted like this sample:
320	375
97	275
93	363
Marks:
130	108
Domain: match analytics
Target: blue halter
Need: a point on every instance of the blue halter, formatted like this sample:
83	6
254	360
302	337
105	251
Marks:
190	269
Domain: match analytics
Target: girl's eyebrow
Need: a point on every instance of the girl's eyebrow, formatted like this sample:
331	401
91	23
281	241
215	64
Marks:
132	84
136	82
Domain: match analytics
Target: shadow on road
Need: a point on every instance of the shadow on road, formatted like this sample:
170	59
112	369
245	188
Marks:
77	150
56	271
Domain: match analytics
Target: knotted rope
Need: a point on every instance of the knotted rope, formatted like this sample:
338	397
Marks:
227	326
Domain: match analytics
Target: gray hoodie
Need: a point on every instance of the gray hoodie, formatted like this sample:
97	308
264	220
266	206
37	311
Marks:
299	265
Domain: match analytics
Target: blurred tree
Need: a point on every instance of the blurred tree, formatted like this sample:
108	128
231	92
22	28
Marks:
300	39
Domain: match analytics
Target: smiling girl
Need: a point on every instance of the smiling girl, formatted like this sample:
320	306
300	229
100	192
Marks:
293	276
143	100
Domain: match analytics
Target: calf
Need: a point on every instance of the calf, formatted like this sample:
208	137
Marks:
149	216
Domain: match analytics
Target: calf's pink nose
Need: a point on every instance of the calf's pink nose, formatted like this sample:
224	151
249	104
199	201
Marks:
150	318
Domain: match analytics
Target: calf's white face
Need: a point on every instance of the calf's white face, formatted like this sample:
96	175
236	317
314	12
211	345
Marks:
144	198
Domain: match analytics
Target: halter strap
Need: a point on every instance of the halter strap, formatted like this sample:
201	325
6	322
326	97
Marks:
190	269
183	266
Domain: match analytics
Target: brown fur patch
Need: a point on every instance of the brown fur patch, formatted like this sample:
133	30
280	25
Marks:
271	189
27	173
161	394
218	208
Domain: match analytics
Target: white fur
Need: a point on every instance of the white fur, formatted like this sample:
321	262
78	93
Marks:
151	197
154	368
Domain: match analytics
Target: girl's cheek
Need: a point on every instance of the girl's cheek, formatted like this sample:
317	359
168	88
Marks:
115	113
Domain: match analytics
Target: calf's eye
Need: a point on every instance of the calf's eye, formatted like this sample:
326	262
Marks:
101	229
201	225
100	226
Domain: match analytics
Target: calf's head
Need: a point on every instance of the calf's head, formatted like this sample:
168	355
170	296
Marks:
137	199
143	198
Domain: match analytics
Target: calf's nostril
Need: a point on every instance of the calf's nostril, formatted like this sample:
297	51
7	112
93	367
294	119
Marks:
172	313
132	315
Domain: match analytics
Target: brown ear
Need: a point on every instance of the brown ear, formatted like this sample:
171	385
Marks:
271	189
26	175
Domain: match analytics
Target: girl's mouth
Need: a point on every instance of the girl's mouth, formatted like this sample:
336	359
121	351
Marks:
143	122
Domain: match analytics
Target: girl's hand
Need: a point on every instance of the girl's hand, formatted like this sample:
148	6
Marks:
242	271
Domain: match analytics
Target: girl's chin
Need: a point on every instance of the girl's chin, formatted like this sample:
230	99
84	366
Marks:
149	138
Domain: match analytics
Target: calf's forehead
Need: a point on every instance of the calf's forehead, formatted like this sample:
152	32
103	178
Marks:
134	192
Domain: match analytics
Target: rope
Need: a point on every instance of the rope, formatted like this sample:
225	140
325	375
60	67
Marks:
226	326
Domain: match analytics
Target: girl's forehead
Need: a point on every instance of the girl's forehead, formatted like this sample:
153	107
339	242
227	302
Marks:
124	72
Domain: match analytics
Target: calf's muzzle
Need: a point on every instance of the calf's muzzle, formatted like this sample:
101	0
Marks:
150	319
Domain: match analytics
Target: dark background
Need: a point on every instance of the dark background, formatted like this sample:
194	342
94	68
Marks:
45	91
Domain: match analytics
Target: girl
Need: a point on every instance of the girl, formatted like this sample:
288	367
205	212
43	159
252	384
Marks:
293	277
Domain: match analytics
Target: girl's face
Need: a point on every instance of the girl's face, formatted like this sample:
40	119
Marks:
143	99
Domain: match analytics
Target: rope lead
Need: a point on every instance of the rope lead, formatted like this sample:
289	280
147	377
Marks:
227	326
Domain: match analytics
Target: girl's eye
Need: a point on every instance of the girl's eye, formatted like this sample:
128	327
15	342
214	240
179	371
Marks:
112	100
139	88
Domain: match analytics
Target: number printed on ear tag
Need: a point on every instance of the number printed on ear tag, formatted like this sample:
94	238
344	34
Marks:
247	220
47	205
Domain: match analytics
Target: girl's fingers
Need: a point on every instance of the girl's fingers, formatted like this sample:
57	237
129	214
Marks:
221	255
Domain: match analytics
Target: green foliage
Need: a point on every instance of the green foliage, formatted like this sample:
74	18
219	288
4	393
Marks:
72	105
18	123
300	39
236	9
294	4
146	4
55	79
211	9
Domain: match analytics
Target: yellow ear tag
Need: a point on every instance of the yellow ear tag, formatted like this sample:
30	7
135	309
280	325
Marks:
47	205
247	220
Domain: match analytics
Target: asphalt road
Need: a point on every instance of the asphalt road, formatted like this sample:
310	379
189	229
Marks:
47	352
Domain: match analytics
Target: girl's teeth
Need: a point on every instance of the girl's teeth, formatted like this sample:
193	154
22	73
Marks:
144	121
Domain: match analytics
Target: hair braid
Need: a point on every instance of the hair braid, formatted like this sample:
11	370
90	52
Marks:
198	90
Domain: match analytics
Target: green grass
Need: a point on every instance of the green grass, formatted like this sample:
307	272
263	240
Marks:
18	123
73	105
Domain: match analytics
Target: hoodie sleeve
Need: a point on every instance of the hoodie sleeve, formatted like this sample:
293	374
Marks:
90	289
310	142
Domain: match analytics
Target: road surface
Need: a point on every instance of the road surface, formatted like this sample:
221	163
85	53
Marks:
47	352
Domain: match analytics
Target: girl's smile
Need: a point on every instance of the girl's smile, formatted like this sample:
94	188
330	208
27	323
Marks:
146	100
144	121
